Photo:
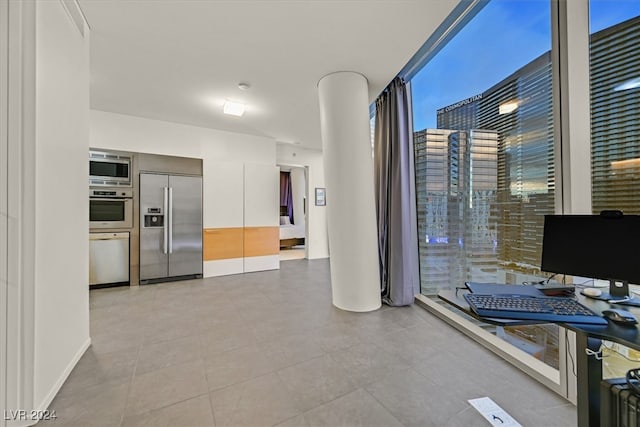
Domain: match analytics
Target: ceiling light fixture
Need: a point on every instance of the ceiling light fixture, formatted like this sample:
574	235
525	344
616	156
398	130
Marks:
243	86
233	108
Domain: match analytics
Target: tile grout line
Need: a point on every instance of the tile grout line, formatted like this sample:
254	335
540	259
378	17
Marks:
383	405
168	405
204	365
130	387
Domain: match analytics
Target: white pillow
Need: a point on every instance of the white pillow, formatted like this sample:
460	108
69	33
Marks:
284	220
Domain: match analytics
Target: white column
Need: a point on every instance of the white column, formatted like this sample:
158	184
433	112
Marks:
351	215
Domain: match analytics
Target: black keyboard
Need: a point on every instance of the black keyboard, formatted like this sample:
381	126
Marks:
525	307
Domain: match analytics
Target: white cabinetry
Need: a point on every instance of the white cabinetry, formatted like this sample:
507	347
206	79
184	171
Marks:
240	218
261	217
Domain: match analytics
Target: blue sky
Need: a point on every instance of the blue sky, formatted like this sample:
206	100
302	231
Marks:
502	37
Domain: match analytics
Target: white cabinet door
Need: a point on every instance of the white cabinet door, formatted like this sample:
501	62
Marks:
261	217
223	194
261	195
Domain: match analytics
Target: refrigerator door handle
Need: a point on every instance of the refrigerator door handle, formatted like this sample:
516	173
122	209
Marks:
165	202
170	220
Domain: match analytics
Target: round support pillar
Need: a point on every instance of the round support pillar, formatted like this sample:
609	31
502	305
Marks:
349	178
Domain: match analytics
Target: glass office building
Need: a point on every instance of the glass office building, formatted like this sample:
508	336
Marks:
481	205
518	110
458	173
615	117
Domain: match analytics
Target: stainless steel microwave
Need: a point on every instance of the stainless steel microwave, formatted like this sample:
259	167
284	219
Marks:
109	169
110	208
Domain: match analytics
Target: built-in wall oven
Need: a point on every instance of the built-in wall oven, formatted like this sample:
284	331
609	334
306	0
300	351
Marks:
109	169
110	208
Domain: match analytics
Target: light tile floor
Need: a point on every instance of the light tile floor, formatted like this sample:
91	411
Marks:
265	349
288	254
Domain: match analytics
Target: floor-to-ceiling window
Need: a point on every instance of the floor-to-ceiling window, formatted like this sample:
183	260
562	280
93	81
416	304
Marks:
484	157
615	125
485	136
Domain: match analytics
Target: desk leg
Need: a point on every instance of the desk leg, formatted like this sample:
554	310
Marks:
588	382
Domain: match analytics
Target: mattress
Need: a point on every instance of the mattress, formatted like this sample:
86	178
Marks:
291	232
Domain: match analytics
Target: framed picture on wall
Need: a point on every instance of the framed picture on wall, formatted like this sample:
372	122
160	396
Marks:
321	197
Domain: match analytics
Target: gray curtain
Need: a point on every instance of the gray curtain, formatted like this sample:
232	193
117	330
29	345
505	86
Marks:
395	195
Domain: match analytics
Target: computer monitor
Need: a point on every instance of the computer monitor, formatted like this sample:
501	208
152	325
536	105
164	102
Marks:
601	246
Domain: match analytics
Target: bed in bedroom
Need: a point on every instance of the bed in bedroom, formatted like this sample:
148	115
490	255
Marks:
290	234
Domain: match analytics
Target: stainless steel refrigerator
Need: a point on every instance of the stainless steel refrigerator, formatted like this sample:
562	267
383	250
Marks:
170	227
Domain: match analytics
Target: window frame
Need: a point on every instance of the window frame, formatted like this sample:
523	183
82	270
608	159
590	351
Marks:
572	146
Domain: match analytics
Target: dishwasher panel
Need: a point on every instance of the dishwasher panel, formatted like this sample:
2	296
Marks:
108	259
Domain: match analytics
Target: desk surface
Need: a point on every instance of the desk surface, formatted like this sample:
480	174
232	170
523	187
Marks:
625	335
589	369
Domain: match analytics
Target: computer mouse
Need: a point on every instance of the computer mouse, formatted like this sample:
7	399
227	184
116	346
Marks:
622	317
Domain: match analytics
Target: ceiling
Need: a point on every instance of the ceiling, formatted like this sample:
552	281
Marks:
178	60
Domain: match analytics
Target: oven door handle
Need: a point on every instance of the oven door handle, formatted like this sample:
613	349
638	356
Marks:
165	203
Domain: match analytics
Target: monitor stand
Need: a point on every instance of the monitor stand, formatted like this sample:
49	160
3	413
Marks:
619	288
619	294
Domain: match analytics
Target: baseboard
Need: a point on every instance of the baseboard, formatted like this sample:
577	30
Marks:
261	263
63	377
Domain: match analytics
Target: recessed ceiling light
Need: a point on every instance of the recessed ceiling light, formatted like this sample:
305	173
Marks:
233	108
243	86
629	84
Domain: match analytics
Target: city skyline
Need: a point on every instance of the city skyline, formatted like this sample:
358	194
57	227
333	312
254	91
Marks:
527	25
449	219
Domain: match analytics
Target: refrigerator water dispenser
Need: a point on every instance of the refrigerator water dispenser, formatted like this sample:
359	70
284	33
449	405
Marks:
153	221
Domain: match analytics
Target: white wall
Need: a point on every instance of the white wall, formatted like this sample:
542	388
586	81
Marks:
4	204
298	190
130	133
62	213
217	149
317	243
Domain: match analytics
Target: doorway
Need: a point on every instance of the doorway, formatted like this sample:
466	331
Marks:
293	212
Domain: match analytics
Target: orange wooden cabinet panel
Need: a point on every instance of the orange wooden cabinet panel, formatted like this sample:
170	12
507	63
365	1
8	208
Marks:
222	243
261	241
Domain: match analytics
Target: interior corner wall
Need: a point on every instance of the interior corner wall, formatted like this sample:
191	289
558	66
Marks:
61	267
298	190
318	241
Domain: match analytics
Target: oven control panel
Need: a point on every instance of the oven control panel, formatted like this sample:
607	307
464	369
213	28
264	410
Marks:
115	193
